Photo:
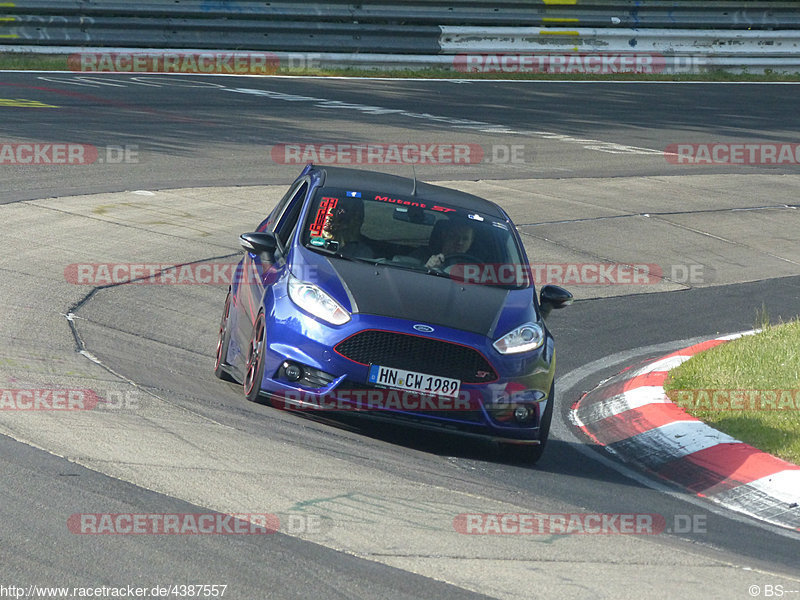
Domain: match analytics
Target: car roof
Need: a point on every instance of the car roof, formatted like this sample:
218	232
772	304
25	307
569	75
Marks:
340	177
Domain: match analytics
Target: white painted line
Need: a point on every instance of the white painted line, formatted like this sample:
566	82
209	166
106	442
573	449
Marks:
735	336
635	398
99	79
784	486
663	364
455	123
680	438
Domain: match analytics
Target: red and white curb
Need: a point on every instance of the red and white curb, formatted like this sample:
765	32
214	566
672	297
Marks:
631	416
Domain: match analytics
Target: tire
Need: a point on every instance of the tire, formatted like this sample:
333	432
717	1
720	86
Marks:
531	454
223	342
254	369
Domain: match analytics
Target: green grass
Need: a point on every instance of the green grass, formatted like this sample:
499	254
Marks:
56	62
769	360
33	62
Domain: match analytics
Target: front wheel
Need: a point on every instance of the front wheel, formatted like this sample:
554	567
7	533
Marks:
254	371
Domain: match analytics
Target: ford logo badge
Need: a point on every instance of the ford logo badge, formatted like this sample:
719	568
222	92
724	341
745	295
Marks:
424	328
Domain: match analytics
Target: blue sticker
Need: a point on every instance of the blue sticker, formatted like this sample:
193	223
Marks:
353	194
373	373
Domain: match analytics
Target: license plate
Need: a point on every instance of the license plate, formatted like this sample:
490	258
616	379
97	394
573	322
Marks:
413	381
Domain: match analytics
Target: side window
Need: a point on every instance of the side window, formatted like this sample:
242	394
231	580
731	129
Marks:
268	224
286	222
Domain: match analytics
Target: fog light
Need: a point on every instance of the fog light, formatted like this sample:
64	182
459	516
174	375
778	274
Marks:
523	413
293	372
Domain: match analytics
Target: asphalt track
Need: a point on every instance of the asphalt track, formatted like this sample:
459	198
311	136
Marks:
594	186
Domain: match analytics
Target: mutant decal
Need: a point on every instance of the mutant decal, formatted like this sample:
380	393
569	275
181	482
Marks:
399	201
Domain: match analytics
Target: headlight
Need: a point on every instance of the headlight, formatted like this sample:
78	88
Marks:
312	299
522	339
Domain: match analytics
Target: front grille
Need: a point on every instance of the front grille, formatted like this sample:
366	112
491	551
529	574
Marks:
417	353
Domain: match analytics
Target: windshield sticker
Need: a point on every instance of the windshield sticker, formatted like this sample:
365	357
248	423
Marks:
317	241
500	225
475	217
326	205
399	201
377	197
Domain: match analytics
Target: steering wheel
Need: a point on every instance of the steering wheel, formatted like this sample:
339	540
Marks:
453	259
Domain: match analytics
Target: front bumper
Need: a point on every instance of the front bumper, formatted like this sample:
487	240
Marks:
339	384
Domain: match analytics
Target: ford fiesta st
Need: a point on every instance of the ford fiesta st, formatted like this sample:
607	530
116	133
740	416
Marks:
396	299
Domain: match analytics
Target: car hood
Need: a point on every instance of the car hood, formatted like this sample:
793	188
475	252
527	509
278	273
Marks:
404	294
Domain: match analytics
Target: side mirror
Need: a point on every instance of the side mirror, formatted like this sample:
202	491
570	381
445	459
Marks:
259	243
552	297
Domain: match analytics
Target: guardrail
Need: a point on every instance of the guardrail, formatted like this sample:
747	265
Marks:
668	41
751	34
223	33
685	14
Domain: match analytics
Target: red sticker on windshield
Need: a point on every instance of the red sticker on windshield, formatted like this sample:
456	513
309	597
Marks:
325	207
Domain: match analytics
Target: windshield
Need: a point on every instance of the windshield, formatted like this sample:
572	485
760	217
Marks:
406	233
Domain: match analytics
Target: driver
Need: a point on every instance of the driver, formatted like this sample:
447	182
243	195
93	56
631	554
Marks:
456	238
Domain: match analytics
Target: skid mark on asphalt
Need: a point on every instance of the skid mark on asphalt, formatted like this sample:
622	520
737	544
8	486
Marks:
363	509
90	99
666	214
451	122
484	127
143	224
154	215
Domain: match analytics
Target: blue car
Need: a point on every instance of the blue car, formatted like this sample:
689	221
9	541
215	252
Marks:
398	300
